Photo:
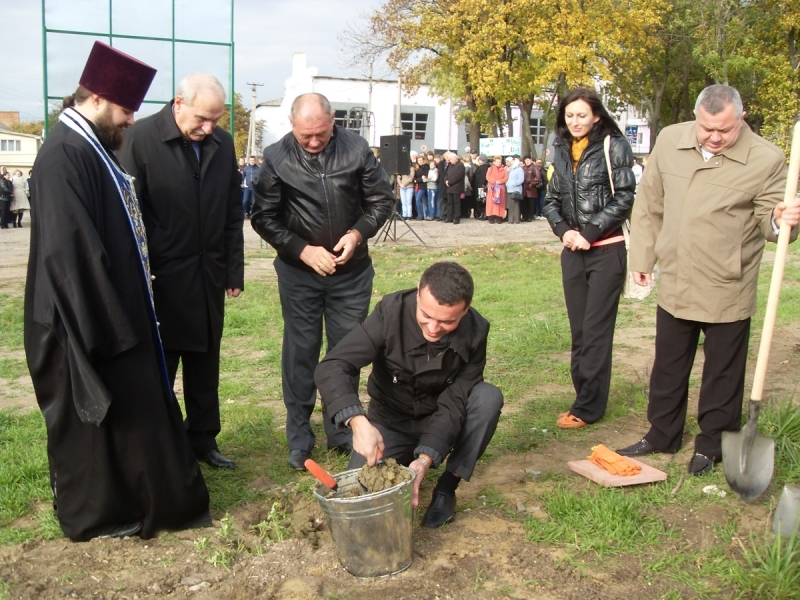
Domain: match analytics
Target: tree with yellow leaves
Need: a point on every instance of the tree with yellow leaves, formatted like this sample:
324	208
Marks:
493	54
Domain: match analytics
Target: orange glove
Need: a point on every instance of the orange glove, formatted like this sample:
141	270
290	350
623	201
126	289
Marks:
612	462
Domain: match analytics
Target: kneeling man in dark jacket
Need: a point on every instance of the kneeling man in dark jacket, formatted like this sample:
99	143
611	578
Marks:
427	347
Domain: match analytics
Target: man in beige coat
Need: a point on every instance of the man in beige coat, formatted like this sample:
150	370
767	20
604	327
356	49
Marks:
710	196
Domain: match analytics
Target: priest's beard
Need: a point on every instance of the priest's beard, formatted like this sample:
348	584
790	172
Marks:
109	134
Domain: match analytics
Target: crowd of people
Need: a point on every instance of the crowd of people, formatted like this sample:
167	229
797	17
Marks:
15	196
501	190
127	280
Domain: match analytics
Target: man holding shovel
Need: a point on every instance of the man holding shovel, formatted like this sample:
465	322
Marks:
428	400
709	198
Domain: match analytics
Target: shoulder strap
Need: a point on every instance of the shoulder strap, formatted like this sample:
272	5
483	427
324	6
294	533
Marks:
607	152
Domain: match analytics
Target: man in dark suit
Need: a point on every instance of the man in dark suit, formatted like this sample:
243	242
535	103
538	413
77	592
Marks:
190	192
454	187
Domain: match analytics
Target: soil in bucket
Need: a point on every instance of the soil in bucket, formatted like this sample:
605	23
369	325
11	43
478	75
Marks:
375	479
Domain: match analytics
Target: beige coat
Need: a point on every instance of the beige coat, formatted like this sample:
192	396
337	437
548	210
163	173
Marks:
407	181
706	222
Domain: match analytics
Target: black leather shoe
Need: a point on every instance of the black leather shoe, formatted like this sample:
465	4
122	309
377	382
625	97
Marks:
441	511
118	531
216	460
640	448
700	464
297	459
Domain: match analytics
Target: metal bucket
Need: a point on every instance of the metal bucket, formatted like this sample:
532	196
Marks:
787	515
372	532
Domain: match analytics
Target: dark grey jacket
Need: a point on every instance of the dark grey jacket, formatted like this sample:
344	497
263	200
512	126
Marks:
407	387
582	200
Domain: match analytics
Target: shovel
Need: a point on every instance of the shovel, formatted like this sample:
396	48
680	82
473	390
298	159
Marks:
748	457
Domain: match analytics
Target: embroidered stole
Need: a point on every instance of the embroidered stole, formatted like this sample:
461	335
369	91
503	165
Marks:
127	195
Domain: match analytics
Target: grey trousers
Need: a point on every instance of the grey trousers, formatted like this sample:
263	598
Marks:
306	297
484	404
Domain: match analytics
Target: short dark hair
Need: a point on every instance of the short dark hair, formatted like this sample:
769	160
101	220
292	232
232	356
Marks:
605	126
449	283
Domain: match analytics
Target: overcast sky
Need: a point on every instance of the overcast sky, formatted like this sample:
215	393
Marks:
266	33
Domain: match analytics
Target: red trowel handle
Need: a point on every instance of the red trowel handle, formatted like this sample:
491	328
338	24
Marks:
321	474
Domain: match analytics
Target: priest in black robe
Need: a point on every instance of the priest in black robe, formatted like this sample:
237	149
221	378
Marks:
120	461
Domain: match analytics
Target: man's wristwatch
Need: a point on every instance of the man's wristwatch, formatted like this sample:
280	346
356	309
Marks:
424	461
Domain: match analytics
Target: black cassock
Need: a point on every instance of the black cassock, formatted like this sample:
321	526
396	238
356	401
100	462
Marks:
116	445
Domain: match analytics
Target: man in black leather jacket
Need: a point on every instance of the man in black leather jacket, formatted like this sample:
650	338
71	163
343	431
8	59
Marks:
319	196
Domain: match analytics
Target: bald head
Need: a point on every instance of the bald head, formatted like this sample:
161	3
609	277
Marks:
312	122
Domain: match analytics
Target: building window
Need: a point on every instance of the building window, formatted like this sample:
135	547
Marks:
10	146
537	130
353	119
414	125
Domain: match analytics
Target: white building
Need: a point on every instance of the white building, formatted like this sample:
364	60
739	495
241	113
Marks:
369	106
18	150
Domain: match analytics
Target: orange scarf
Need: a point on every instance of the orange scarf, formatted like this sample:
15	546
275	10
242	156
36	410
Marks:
578	146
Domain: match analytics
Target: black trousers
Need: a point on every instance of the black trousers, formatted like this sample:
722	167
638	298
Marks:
527	206
306	297
483	412
4	213
721	387
200	393
451	208
593	282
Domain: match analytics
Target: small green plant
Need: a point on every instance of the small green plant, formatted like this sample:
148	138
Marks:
201	543
226	532
5	590
221	557
273	528
479	579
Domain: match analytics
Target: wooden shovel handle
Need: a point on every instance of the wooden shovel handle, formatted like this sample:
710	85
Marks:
777	272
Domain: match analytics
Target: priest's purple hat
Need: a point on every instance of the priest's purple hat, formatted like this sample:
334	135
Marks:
116	76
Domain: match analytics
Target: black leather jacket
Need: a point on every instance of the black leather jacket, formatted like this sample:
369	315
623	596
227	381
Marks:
301	199
6	188
582	200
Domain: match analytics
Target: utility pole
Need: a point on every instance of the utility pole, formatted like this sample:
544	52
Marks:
398	130
251	133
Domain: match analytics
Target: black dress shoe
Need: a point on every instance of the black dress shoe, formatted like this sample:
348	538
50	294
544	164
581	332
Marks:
441	511
297	459
456	221
700	464
118	531
216	460
640	448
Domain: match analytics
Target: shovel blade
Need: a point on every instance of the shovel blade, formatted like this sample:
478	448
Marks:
749	477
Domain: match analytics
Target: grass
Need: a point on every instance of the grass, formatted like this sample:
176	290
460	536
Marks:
772	569
601	521
518	289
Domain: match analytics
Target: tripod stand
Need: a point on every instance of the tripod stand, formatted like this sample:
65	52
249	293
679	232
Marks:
390	229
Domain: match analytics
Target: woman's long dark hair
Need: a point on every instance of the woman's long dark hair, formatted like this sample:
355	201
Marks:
605	126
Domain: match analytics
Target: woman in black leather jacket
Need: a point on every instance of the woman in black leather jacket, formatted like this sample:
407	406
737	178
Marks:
587	215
